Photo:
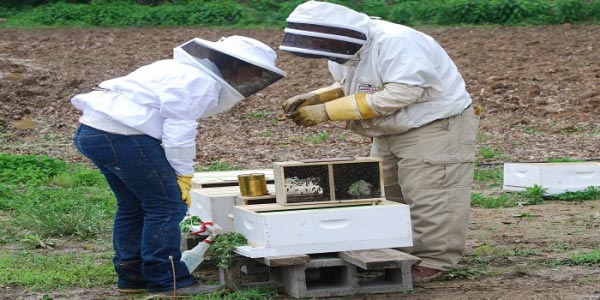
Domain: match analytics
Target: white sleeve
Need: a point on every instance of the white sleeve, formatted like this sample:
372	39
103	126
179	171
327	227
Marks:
183	101
393	97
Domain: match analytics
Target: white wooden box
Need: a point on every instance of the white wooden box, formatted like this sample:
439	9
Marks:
216	204
225	178
328	181
556	178
322	230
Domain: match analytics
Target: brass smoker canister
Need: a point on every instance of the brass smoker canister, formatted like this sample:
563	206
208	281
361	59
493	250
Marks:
252	185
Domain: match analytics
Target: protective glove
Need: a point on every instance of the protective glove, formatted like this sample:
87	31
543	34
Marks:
310	115
319	96
185	185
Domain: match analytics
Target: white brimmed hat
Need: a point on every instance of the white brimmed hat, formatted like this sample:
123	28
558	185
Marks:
201	53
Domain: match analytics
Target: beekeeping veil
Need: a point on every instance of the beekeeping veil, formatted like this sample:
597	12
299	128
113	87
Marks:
224	59
325	30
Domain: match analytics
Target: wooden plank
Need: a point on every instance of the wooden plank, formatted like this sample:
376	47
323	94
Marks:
281	261
379	259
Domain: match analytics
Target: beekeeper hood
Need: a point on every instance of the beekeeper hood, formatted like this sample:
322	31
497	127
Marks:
325	30
242	65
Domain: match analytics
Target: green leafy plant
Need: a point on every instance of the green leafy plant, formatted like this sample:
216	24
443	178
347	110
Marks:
188	222
223	246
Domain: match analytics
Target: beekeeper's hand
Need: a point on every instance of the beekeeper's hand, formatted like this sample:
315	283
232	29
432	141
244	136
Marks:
310	115
292	104
185	185
319	96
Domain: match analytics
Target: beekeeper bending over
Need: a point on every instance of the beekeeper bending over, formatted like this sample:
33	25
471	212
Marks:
399	87
140	131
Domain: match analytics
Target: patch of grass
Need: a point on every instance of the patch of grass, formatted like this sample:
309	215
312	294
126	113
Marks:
590	193
246	294
267	133
40	271
220	166
257	115
29	169
492	176
488	153
562	159
505	200
591	258
50	212
319	138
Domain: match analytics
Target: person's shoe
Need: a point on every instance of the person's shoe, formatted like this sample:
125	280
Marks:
424	274
131	291
185	292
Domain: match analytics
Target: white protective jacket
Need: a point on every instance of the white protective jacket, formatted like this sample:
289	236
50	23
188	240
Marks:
399	56
163	100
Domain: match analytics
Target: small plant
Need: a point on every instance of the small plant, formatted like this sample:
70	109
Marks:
222	247
318	138
534	195
267	133
487	153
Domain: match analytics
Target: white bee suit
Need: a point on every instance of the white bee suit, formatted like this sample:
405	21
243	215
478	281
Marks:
166	99
165	107
397	54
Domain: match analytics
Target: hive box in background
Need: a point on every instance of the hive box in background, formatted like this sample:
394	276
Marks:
555	178
288	231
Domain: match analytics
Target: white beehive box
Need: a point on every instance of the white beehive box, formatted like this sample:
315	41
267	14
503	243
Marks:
216	204
322	230
556	178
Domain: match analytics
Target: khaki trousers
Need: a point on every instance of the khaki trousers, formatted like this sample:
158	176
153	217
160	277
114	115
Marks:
430	168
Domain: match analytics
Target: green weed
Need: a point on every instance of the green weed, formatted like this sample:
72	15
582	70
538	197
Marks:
492	176
591	258
492	202
319	138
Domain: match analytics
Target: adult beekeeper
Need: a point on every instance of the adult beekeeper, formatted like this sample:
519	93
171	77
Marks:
140	131
399	87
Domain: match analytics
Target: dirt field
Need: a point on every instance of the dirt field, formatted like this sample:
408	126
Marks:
543	101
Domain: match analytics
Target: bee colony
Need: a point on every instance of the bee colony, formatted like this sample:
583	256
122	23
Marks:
358	180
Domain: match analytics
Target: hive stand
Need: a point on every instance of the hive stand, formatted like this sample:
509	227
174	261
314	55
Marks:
329	275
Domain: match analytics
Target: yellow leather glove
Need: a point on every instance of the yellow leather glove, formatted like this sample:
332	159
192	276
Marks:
352	107
185	185
319	96
310	115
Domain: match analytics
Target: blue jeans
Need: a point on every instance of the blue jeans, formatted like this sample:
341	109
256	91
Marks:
149	208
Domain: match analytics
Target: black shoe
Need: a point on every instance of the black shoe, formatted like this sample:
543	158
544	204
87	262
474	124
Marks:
186	292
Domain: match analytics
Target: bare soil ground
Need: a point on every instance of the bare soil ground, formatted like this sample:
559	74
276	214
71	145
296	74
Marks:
543	101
